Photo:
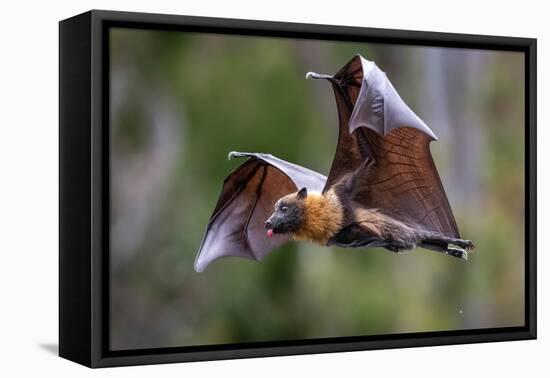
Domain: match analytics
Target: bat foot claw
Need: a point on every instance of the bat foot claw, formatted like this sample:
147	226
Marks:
457	252
468	245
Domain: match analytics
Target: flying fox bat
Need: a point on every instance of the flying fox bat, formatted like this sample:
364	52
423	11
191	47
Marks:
383	189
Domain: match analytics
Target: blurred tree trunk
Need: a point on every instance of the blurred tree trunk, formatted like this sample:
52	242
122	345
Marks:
457	124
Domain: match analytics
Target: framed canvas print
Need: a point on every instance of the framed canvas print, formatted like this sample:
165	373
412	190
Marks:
233	188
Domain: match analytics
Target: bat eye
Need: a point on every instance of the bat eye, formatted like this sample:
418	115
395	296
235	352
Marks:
284	209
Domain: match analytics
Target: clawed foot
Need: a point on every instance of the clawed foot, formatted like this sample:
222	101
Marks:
457	252
462	252
450	246
468	245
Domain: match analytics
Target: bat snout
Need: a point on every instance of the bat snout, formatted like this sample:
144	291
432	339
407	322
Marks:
269	227
273	225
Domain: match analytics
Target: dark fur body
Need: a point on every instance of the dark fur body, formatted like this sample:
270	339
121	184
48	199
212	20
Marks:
364	227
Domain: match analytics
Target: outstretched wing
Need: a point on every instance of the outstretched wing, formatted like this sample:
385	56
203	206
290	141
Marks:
383	151
237	225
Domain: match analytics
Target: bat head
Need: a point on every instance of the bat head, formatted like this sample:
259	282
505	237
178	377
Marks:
288	215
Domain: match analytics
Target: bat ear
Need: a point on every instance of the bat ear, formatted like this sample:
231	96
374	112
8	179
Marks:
302	193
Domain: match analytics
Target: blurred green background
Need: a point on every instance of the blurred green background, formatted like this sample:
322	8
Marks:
181	101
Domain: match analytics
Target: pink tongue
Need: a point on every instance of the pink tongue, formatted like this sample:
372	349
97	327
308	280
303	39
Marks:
270	233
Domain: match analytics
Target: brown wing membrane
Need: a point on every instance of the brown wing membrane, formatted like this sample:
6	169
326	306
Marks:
236	227
383	148
403	181
347	153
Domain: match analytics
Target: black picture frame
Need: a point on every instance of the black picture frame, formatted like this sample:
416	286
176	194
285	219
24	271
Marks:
84	187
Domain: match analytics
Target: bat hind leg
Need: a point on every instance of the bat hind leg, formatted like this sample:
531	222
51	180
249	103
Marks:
450	246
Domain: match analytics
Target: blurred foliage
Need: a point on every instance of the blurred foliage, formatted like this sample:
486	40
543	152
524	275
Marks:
181	101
